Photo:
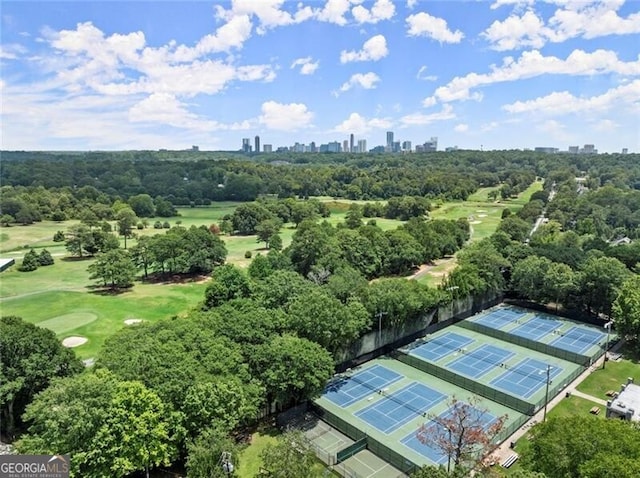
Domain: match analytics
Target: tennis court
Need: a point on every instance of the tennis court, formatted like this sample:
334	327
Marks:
348	390
478	362
400	407
429	432
498	318
437	347
526	378
578	339
536	327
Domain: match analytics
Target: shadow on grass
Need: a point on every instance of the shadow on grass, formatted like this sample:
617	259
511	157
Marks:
107	291
76	258
169	278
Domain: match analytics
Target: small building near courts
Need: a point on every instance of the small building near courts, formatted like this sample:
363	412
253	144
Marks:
626	404
5	263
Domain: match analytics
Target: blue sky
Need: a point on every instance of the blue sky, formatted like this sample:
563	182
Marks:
495	74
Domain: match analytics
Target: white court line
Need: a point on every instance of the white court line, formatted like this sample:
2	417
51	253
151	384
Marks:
372	470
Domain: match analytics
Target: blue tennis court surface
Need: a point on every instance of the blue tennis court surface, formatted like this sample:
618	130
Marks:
434	431
578	339
437	347
479	361
400	407
349	390
525	378
496	319
536	328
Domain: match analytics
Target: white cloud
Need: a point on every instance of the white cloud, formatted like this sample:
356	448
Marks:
500	3
285	117
422	119
358	124
166	109
586	19
333	12
424	25
411	4
368	81
268	13
532	64
374	49
555	130
605	126
12	51
563	102
307	65
381	10
461	128
422	76
515	32
489	126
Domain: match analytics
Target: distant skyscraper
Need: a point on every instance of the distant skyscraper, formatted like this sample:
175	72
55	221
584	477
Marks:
389	140
312	147
362	146
574	149
257	144
268	148
345	146
351	140
246	145
406	146
625	150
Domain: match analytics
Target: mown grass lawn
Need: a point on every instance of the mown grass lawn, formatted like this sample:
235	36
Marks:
250	462
614	374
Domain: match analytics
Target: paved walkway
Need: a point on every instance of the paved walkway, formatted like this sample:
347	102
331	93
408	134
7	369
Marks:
504	451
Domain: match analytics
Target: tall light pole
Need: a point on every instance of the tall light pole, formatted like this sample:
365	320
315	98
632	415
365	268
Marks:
606	347
546	395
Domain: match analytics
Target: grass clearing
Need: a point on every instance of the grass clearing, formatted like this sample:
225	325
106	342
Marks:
250	462
614	374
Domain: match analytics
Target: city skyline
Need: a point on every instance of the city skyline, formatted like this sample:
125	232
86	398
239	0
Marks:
506	74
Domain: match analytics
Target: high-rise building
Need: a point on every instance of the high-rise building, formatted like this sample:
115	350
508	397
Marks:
312	147
257	144
406	146
351	145
246	145
389	140
625	150
574	149
345	145
589	149
268	148
362	146
431	145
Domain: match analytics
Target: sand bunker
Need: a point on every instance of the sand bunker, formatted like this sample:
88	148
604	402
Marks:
132	321
482	215
480	210
74	341
475	222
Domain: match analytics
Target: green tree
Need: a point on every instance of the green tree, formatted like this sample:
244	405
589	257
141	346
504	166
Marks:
275	242
91	416
353	217
227	402
29	262
290	457
228	282
6	219
126	219
326	321
247	217
626	310
559	282
45	258
584	447
528	277
142	205
114	269
599	281
403	254
209	455
31	357
291	368
266	229
79	239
